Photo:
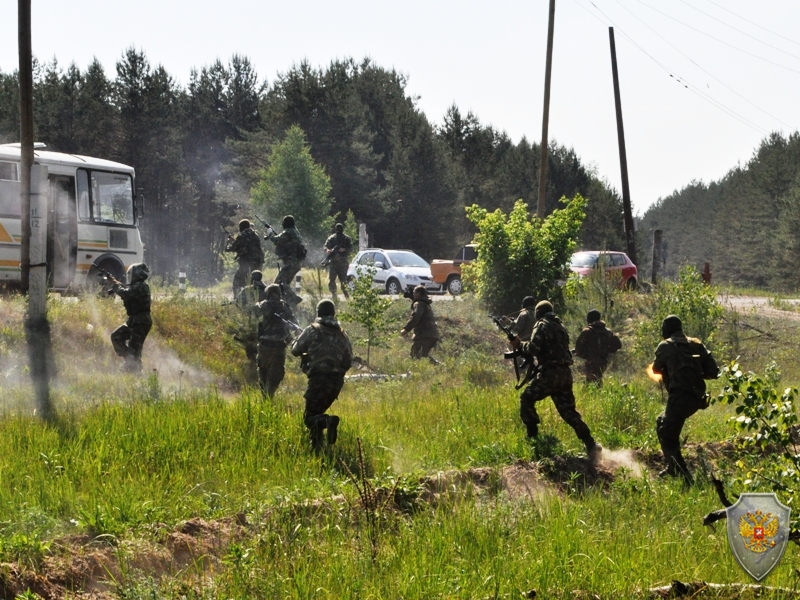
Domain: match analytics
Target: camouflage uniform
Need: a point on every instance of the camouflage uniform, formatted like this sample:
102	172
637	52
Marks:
594	344
337	267
683	363
287	245
550	346
273	337
249	255
426	332
128	339
327	355
523	324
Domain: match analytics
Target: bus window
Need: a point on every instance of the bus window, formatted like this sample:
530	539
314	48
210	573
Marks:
112	198
83	196
8	171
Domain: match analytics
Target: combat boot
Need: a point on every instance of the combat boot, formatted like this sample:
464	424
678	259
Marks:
333	429
533	431
594	452
316	431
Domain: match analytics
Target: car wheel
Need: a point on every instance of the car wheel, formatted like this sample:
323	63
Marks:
351	283
393	287
454	285
631	283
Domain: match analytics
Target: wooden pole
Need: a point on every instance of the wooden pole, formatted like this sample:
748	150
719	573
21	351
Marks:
656	256
25	136
34	194
623	159
546	114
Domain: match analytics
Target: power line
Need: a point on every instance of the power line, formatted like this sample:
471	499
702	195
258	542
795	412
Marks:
710	16
684	82
695	63
746	20
772	62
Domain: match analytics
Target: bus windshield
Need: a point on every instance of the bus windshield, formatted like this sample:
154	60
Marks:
112	198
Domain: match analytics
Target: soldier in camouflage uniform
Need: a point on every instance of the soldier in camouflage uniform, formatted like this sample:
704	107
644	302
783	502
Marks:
288	244
523	324
550	346
273	336
255	292
684	363
594	344
128	339
423	324
337	248
249	254
326	356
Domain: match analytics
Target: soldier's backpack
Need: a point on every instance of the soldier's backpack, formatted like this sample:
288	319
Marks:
331	353
688	375
302	251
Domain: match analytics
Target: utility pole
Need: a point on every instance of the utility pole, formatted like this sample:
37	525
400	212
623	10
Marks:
656	256
33	221
546	115
25	136
623	159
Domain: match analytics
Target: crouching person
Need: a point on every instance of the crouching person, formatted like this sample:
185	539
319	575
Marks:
128	339
326	355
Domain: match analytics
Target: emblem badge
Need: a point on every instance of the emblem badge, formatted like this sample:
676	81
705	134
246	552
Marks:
758	532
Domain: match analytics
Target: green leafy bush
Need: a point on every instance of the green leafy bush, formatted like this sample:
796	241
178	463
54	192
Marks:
520	255
691	299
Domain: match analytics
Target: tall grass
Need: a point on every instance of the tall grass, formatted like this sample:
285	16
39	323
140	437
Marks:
130	455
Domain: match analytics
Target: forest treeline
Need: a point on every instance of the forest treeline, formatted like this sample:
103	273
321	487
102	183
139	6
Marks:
199	149
745	225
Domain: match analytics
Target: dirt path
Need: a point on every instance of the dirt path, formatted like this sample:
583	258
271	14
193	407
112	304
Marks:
762	305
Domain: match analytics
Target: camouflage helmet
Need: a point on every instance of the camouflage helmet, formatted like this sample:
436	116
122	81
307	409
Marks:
138	272
528	302
542	309
326	308
593	315
339	227
670	325
288	221
244	224
273	291
256	275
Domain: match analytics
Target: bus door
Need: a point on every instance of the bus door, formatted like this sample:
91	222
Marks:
62	232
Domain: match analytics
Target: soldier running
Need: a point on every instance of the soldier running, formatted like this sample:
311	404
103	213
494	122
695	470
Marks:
288	247
337	250
594	344
423	324
249	254
326	356
128	339
549	345
273	336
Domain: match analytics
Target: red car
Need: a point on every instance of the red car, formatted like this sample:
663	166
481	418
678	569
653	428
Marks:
616	264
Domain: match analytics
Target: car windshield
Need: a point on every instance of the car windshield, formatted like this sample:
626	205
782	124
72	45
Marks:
583	259
406	259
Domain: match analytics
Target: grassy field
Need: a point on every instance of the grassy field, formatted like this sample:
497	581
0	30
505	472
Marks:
188	465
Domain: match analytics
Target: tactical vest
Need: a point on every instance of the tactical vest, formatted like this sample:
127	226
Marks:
329	351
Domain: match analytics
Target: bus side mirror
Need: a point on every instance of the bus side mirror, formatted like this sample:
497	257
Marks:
139	204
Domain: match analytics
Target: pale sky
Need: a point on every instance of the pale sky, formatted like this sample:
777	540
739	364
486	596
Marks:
740	60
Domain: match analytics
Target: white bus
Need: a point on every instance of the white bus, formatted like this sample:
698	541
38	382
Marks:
92	218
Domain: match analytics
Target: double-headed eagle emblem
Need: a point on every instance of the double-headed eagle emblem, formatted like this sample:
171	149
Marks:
758	530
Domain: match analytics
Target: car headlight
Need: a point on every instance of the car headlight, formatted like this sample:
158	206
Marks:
412	278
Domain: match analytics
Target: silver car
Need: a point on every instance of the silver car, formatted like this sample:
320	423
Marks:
395	270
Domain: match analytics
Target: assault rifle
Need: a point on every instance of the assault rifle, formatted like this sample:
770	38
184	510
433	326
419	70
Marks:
108	276
329	256
526	364
225	229
290	324
268	226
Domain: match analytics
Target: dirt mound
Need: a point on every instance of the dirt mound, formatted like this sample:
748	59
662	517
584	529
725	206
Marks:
92	568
